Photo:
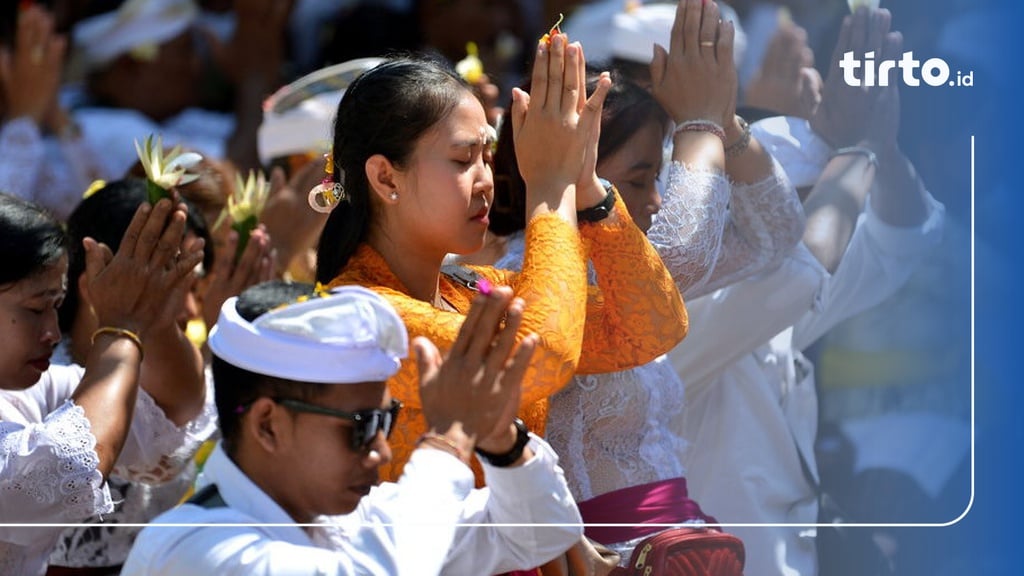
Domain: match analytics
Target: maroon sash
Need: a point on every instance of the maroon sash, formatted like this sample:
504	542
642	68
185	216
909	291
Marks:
663	502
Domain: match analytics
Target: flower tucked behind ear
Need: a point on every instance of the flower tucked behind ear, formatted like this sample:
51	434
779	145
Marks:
245	206
164	172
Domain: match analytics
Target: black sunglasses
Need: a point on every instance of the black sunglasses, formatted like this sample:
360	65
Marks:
367	422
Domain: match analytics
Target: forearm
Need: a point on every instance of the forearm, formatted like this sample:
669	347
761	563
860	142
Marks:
172	373
687	232
834	205
901	199
766	220
751	163
107	395
698	150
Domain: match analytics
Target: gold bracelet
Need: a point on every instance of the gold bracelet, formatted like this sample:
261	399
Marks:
119	333
444	440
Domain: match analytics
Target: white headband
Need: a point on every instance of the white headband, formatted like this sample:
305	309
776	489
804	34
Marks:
299	117
352	335
104	37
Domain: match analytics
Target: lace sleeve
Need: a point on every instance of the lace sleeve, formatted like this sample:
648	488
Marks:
636	314
766	220
156	450
48	470
687	231
21	157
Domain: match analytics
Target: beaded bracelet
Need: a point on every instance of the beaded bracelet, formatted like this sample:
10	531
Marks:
119	333
739	146
860	150
701	126
444	440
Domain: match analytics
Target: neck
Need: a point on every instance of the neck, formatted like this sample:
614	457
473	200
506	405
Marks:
418	270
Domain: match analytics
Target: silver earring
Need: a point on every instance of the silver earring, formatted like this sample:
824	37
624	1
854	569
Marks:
394	196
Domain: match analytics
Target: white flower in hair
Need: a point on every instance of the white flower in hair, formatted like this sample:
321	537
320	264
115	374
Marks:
165	171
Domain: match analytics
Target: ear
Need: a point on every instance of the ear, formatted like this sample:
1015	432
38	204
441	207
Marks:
383	178
266	424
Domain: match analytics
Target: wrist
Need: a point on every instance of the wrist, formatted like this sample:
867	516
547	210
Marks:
590	193
513	454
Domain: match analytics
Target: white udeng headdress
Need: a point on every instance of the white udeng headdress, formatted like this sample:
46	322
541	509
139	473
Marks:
137	23
351	335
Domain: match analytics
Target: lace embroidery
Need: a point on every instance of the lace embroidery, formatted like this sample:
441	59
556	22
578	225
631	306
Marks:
55	463
687	231
612	429
161	450
766	220
710	238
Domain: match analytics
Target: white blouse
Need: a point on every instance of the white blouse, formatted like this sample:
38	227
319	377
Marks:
48	462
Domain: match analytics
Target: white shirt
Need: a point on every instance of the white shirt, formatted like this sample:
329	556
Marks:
751	401
404	528
48	462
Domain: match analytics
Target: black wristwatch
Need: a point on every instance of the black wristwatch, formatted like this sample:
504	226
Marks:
509	458
603	208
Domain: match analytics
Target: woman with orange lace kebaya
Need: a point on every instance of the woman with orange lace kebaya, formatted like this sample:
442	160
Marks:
411	154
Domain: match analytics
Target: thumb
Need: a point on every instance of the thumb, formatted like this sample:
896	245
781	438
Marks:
520	104
97	257
592	111
428	360
658	62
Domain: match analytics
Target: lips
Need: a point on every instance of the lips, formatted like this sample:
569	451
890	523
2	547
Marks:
481	215
42	363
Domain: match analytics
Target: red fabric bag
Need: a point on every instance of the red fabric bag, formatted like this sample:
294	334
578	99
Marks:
686	552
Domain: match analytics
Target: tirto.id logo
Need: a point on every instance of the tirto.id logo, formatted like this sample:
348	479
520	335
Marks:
934	71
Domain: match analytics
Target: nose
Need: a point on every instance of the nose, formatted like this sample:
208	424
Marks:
51	328
654	200
380	451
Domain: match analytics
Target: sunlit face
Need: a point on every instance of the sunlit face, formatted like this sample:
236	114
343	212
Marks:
28	325
327	476
446	187
634	169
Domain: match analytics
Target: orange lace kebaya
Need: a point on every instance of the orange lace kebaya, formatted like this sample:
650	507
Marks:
634	315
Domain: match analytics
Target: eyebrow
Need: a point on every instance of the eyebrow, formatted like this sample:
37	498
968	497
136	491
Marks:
49	292
467	143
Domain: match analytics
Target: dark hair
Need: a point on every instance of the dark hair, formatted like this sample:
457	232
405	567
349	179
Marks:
236	388
627	108
30	239
384	111
104	216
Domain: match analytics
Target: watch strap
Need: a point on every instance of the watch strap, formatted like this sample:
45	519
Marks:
506	459
603	208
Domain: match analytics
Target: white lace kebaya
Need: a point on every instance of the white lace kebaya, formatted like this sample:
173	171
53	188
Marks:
612	430
48	462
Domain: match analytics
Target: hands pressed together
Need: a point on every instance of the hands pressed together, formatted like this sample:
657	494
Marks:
471	396
852	115
142	287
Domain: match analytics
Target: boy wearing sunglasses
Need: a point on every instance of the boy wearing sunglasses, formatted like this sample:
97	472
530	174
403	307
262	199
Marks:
305	415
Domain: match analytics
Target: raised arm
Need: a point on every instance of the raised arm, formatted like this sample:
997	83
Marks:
129	293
